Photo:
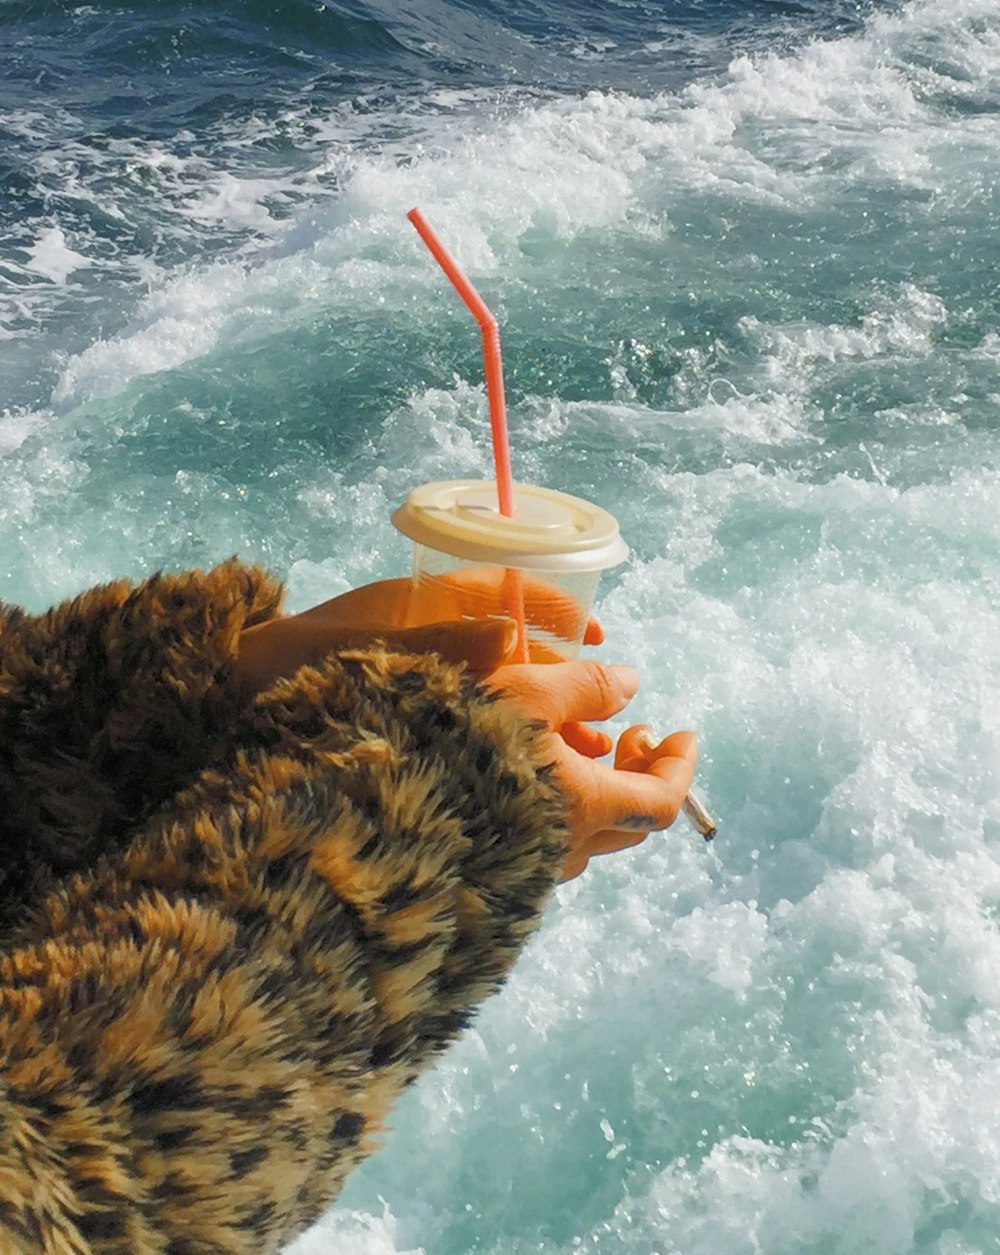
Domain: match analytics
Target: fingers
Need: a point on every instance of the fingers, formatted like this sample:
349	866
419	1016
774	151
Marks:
280	647
609	842
600	843
478	592
545	604
483	644
593	633
591	742
565	692
574	863
629	752
615	809
682	744
630	801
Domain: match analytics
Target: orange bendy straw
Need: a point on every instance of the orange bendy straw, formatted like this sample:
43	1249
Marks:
492	362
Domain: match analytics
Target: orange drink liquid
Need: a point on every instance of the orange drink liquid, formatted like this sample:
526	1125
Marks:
539	567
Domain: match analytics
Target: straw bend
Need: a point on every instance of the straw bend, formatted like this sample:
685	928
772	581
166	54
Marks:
477	306
492	362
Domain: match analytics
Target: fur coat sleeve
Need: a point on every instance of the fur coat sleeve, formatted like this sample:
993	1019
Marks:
268	919
109	704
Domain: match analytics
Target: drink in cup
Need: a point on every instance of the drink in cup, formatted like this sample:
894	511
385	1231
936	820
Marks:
539	566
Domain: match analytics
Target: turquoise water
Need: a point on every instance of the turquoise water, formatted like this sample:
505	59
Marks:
745	265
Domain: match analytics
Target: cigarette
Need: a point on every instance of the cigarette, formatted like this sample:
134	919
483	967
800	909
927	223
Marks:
699	816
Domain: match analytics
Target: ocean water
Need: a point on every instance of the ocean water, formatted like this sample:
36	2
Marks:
745	260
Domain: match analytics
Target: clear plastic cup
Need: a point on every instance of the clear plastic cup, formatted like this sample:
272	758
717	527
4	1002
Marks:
539	567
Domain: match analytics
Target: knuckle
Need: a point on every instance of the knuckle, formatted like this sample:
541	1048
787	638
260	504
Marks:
521	684
602	681
671	809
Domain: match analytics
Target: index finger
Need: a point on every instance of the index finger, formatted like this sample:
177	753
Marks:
564	692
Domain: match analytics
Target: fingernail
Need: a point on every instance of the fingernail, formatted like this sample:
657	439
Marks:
644	742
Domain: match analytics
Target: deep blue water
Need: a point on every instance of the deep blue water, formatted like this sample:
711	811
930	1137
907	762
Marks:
112	117
745	261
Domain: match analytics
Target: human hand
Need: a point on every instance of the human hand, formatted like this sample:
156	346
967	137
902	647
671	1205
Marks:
611	808
479	592
442	621
466	593
278	648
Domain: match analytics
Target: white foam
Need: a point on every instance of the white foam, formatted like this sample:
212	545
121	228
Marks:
14	429
767	417
358	1232
51	256
186	319
236	203
725	943
780	131
903	323
829	948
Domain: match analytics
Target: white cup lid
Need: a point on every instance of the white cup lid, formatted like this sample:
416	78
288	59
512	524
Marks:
549	530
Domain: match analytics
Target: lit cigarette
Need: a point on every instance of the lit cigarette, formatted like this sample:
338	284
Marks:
699	816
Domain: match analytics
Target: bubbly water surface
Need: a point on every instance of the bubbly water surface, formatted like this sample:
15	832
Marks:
745	258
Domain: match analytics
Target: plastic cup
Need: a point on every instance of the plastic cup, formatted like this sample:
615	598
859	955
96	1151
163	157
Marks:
540	566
